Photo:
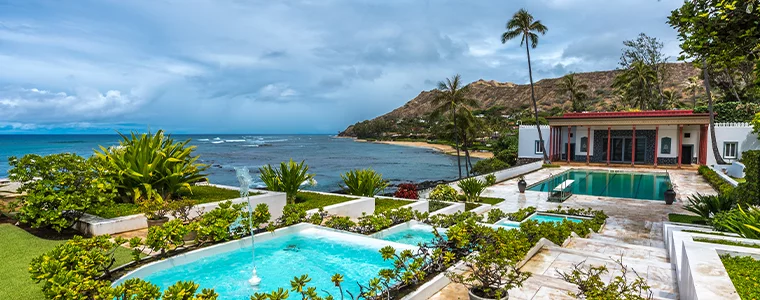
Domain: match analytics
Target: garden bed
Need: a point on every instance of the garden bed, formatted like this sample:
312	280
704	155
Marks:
385	204
726	242
686	219
744	272
437	205
486	200
313	200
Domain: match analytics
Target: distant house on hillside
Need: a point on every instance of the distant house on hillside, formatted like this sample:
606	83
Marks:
669	137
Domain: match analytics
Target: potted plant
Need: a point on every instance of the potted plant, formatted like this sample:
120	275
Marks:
670	194
155	210
490	273
521	184
183	210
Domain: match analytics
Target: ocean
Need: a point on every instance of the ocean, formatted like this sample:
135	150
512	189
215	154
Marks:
326	156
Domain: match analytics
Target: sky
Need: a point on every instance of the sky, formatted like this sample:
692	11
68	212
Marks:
281	66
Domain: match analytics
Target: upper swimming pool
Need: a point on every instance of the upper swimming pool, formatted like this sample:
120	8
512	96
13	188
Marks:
642	186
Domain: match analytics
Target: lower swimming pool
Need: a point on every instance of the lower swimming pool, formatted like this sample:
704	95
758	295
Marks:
642	186
411	233
538	217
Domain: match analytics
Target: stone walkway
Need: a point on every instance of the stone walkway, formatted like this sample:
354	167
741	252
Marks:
632	234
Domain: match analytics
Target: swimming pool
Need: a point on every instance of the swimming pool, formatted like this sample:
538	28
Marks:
411	233
539	217
642	186
311	250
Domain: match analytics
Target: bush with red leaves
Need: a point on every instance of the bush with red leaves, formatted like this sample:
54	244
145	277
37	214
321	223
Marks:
406	191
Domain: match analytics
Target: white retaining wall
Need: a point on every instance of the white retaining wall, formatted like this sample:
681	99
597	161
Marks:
450	210
94	225
418	205
352	209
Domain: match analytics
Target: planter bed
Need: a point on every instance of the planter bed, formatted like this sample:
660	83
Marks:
744	272
386	204
686	219
313	200
486	200
438	205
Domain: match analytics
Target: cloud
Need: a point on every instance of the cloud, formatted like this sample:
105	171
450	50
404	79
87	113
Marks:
297	65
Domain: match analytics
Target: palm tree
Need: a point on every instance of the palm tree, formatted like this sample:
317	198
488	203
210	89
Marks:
718	158
522	25
573	88
634	85
692	86
671	99
450	97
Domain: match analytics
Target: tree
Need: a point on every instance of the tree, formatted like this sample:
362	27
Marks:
575	90
648	50
671	99
720	34
692	86
451	96
523	25
634	85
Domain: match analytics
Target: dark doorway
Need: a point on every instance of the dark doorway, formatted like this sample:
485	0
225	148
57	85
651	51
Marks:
572	151
687	154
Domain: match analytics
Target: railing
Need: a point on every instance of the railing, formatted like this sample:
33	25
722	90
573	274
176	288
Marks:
562	190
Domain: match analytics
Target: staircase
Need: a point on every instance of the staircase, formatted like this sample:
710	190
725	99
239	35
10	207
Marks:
638	254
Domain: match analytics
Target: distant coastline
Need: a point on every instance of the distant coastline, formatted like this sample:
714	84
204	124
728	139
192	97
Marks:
437	147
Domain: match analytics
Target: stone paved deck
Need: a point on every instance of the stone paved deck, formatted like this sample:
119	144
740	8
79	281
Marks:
632	233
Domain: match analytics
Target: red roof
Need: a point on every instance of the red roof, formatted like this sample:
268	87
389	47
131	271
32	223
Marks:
630	114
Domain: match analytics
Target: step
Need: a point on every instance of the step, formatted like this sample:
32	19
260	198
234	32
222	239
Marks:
633	241
618	248
543	287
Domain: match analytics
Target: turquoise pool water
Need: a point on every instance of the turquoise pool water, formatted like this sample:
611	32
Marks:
541	218
318	253
641	186
415	234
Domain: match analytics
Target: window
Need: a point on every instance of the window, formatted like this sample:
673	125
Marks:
665	146
537	148
687	135
729	149
584	144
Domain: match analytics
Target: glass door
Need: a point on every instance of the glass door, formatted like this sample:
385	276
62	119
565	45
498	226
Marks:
617	149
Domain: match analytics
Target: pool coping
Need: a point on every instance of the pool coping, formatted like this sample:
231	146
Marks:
197	254
527	188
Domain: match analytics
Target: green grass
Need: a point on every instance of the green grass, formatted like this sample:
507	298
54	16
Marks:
468	206
18	249
436	205
200	194
726	242
688	219
313	200
382	204
706	232
739	180
744	272
489	200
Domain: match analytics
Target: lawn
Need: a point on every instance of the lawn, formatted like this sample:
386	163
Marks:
313	200
726	242
200	194
436	205
18	249
468	206
688	219
382	204
486	200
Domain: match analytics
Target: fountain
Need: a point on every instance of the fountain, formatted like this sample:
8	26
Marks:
244	177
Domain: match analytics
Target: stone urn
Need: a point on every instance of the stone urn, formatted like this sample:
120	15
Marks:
670	196
157	222
473	296
522	185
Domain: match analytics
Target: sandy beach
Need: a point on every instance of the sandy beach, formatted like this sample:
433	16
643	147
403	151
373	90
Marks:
438	147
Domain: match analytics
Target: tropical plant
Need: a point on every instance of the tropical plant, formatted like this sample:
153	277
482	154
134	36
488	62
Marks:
160	239
57	189
222	223
635	85
692	86
489	165
522	25
471	188
647	50
670	100
706	206
365	182
406	191
490	179
570	86
452	95
745	223
494	215
443	192
591	285
151	167
288	178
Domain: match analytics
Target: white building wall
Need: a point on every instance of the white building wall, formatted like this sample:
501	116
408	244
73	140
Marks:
528	135
732	132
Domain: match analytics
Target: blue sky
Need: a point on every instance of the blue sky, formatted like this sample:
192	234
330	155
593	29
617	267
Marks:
290	66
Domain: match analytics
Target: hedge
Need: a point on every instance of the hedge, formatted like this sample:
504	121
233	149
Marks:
715	180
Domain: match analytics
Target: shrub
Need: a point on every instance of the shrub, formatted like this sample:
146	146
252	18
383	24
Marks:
406	191
366	182
151	166
715	180
731	112
490	179
494	215
745	223
708	205
472	188
521	214
58	188
340	223
445	221
167	237
373	223
550	166
750	195
444	192
591	285
507	156
489	165
492	272
744	272
288	178
221	224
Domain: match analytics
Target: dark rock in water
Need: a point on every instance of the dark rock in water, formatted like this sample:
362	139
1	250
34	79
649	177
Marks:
293	248
216	166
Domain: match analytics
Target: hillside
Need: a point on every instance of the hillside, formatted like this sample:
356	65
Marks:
509	97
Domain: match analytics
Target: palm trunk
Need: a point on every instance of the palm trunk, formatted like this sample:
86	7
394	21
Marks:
456	140
732	85
535	105
694	100
718	158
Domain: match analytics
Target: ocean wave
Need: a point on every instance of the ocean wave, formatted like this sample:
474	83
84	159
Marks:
217	142
234	141
202	140
250	146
